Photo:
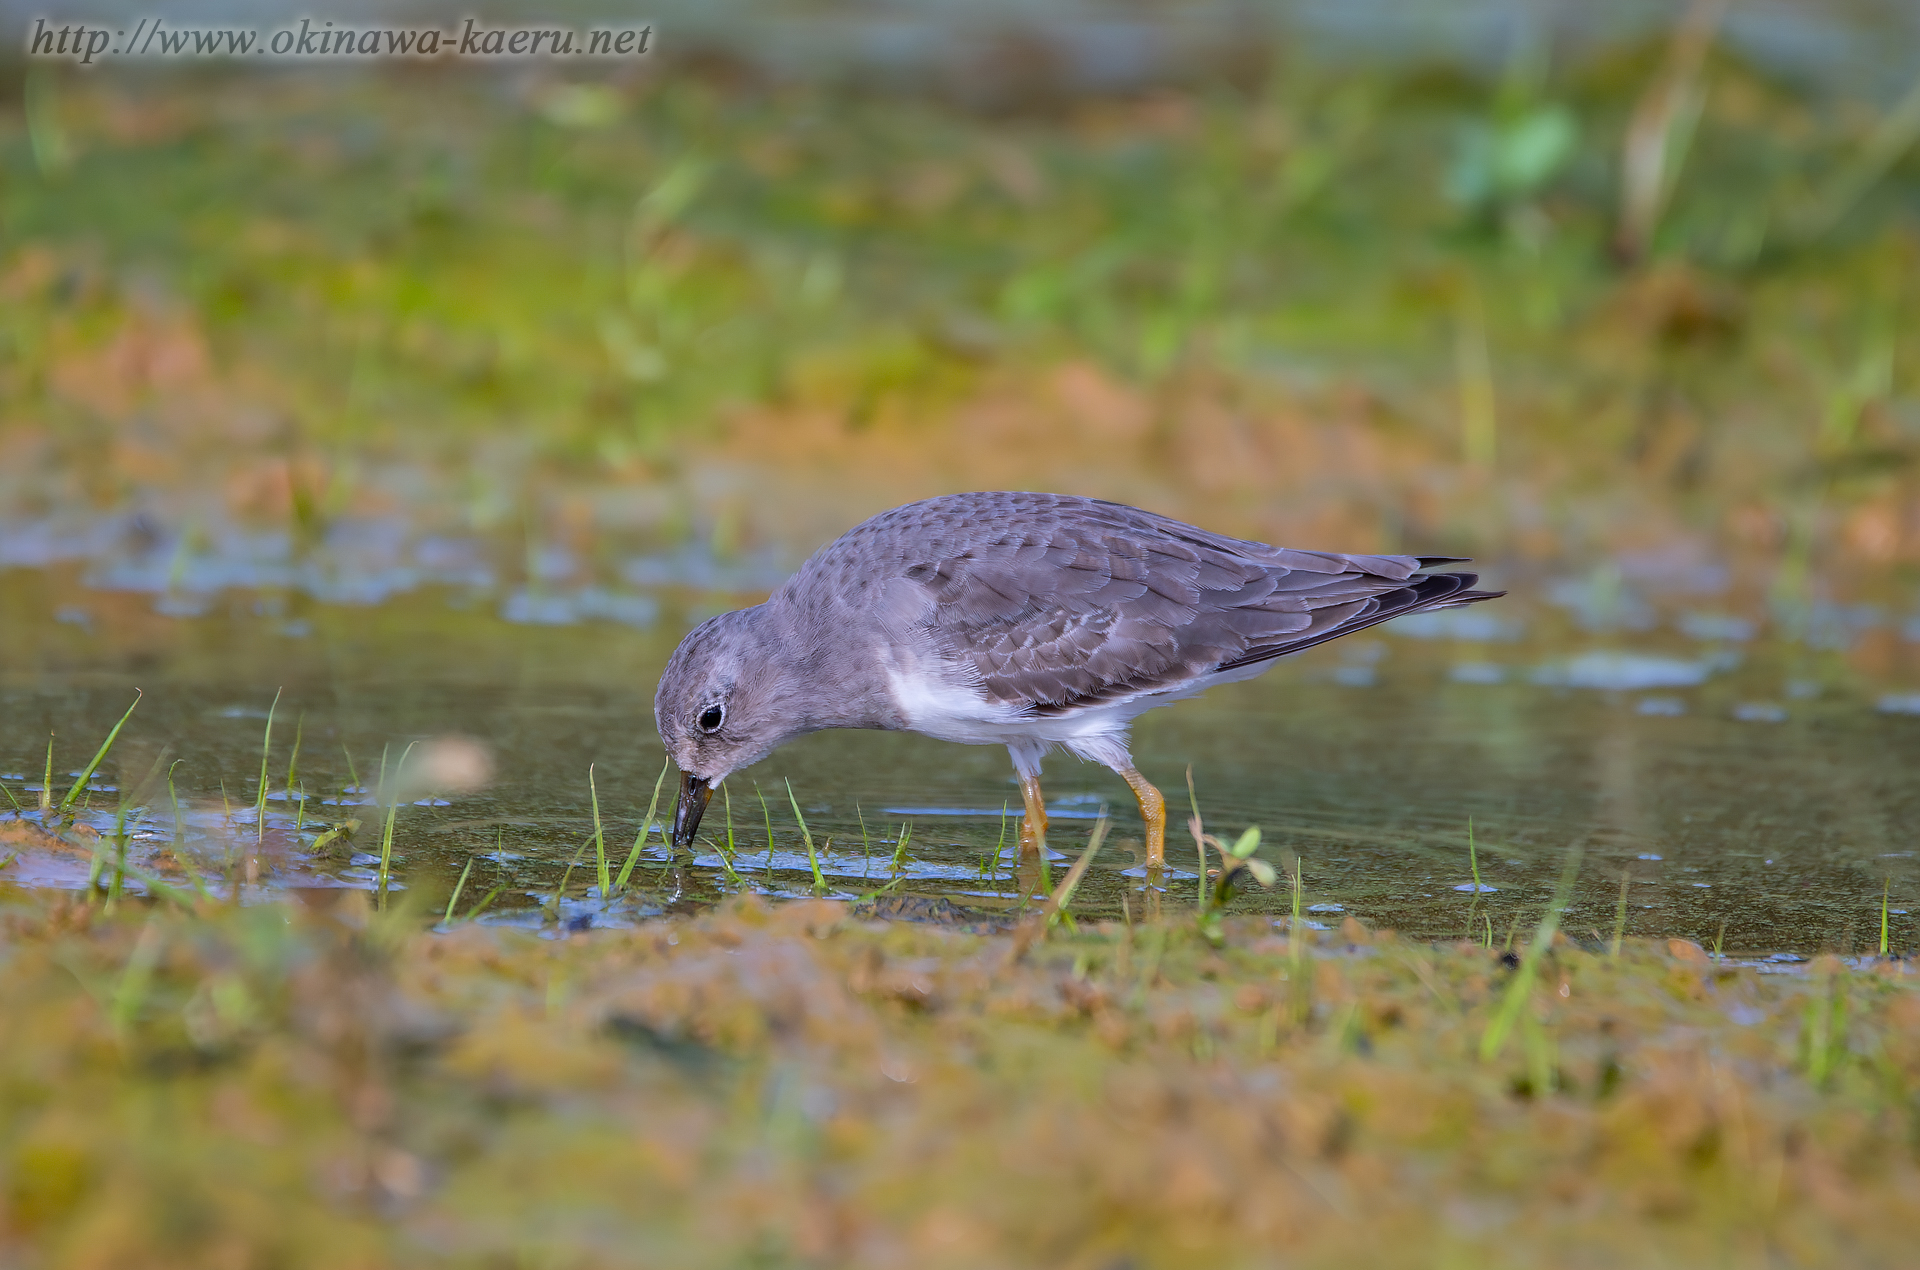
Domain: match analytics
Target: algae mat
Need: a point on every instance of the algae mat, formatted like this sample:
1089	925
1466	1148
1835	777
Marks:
312	1084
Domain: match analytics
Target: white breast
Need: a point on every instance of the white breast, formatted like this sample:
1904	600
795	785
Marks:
937	706
940	708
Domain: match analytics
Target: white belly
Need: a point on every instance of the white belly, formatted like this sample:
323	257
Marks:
952	712
948	711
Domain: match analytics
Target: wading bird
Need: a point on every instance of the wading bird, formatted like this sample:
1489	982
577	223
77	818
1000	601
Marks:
1016	619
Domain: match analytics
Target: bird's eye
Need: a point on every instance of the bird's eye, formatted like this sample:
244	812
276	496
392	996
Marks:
710	719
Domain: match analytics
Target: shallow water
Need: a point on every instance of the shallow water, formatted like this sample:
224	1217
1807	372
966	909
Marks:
1752	788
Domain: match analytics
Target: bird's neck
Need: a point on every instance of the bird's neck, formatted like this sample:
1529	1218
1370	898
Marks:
837	670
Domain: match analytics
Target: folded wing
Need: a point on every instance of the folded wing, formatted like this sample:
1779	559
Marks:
1053	603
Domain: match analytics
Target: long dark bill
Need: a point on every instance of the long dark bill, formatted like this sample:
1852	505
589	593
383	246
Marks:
694	793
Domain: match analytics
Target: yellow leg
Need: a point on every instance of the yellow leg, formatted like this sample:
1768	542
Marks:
1153	811
1033	829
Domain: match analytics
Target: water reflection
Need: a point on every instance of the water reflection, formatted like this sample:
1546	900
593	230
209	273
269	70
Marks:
1736	780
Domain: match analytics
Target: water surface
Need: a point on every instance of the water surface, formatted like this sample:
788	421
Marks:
1747	787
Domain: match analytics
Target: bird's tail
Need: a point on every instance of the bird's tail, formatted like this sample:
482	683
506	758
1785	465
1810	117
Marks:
1422	591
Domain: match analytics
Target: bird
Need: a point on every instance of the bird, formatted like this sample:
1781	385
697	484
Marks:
1031	620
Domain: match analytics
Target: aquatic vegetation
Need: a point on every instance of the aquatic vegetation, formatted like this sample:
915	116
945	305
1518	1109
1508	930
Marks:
806	834
84	778
389	793
1236	859
317	1084
260	798
646	828
600	841
1516	999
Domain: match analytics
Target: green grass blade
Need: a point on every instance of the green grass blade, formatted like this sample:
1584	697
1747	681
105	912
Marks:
726	857
1473	862
86	776
1071	883
266	751
293	759
485	901
813	857
1886	897
95	863
119	857
646	827
767	813
458	887
906	836
389	792
386	854
1296	944
179	843
599	842
1199	844
559	892
1520	987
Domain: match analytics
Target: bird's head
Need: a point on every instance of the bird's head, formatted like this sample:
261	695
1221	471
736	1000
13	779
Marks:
721	705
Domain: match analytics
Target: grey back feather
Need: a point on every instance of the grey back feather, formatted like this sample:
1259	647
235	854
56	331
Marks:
1051	602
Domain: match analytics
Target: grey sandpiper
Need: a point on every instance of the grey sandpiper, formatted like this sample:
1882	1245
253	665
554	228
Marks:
1018	619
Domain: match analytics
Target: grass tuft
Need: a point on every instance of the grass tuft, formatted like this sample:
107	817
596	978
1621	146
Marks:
389	793
905	837
1519	990
1886	898
646	828
813	857
299	800
766	814
86	776
726	855
605	874
260	797
458	887
552	906
544	1064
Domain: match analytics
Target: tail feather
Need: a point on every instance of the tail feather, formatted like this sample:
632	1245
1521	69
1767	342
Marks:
1463	599
1427	591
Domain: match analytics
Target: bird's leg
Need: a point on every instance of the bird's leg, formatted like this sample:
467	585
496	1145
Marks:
1033	828
1153	811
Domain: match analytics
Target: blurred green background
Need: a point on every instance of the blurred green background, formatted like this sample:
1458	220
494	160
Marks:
1530	295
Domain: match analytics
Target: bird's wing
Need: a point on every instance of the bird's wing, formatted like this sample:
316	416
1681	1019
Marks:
1050	611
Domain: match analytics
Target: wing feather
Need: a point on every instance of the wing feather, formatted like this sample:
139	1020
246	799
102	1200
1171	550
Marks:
1051	602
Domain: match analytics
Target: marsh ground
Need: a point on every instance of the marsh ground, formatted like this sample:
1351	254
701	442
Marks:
314	1084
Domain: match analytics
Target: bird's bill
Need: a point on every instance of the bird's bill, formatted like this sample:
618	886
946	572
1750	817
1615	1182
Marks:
694	793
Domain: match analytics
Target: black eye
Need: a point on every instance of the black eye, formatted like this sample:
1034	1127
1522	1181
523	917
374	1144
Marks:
710	720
